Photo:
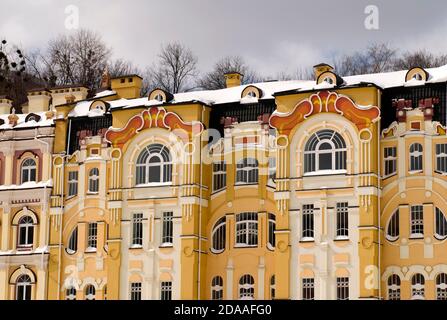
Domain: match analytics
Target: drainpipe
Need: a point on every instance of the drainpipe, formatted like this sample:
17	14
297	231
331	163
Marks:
379	162
200	208
59	271
45	204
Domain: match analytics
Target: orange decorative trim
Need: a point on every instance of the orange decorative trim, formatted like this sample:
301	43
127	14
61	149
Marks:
440	129
324	101
154	117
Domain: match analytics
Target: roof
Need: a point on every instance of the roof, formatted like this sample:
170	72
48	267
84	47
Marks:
269	89
21	124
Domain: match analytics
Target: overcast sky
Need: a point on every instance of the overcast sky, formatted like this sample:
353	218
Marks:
273	36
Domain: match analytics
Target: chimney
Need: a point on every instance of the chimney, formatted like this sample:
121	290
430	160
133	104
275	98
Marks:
320	68
59	94
233	79
38	100
127	87
5	105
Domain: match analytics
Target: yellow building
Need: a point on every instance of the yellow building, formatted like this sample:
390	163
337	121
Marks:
323	189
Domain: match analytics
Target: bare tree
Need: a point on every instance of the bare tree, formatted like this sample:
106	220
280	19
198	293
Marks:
297	74
377	58
175	68
419	58
215	78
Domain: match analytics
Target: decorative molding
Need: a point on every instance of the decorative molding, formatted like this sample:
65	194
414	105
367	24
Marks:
325	101
154	117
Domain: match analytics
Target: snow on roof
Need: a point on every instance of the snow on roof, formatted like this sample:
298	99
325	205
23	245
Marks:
27	185
43	122
104	93
231	95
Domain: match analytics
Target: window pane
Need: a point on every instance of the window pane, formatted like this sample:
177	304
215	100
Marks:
325	161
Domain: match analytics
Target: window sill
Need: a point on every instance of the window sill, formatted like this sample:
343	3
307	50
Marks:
71	197
216	251
166	245
154	184
241	246
24	248
341	238
440	238
324	173
390	175
391	239
415	171
90	250
416	236
89	193
136	246
304	240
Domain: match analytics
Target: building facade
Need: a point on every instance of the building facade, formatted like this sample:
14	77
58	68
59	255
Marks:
323	189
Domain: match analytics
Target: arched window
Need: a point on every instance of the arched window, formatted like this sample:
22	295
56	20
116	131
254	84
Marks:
325	151
392	231
272	287
73	241
441	286
271	231
70	293
217	288
440	224
417	286
154	165
93	180
394	287
247	171
246	287
219	236
25	232
23	287
247	229
28	170
416	157
90	292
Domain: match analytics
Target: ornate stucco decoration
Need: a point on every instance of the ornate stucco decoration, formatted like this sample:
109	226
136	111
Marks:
325	101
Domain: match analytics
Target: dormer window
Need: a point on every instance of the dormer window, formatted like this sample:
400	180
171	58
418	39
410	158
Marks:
417	74
160	95
251	92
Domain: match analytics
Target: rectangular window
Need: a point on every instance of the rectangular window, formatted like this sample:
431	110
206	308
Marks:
441	158
390	159
137	229
166	290
308	289
308	222
135	291
417	221
92	237
167	229
247	229
343	288
219	175
72	183
342	220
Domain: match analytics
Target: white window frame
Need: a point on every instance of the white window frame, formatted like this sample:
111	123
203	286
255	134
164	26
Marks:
24	282
418	287
167	232
144	166
219	236
93	181
342	221
308	222
342	288
389	161
166	290
73	183
246	288
72	245
416	221
26	225
271	240
92	236
137	230
217	289
247	224
136	291
441	158
247	171
393	287
416	158
219	175
90	292
441	286
393	227
28	167
308	288
440	225
312	153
